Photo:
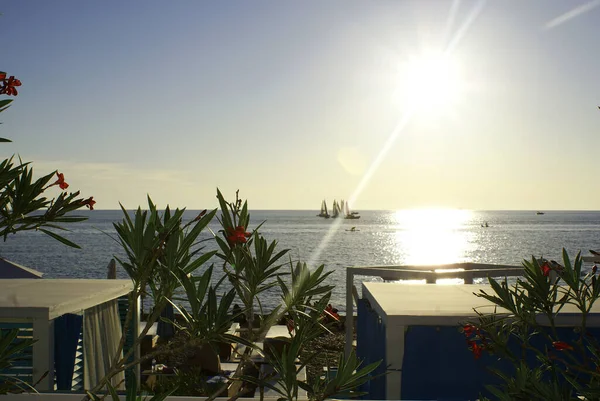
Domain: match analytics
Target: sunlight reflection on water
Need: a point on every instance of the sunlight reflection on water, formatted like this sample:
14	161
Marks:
432	236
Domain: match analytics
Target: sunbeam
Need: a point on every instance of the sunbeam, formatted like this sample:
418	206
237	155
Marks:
363	182
451	18
569	15
460	33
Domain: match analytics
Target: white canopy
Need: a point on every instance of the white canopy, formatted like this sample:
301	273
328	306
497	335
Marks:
25	298
39	302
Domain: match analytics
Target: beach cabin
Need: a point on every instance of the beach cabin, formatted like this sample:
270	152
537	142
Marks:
399	309
415	331
76	324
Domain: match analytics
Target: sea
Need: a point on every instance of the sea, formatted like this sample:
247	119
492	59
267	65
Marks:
378	238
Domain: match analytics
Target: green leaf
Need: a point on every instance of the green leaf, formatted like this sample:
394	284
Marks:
60	238
227	220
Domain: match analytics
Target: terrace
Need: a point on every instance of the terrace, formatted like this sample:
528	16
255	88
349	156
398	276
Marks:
412	328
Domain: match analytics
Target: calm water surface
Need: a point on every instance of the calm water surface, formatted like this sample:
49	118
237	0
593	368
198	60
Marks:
381	238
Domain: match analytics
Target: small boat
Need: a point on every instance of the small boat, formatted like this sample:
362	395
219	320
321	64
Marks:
485	225
324	213
350	215
353	230
538	213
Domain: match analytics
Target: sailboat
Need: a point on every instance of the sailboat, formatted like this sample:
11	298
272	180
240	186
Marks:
336	209
324	213
350	215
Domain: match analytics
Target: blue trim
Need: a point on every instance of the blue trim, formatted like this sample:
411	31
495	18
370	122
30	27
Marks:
370	347
67	330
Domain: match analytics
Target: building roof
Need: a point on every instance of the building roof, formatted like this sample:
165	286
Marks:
443	305
10	269
50	298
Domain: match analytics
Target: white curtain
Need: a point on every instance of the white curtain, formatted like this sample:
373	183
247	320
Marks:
101	336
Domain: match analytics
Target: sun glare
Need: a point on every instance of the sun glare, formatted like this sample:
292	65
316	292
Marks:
432	236
429	83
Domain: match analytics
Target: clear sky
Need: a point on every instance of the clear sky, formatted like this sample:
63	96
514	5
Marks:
392	104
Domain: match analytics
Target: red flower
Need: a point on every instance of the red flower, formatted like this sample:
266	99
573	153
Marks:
475	348
237	235
331	313
561	346
90	202
9	85
545	269
290	325
469	329
2	76
61	181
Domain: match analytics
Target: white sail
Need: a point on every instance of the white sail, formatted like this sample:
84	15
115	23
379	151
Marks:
324	212
350	215
336	209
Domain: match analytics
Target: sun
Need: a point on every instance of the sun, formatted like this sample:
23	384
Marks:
429	83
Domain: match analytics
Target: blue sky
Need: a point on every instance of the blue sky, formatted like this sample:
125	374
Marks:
293	102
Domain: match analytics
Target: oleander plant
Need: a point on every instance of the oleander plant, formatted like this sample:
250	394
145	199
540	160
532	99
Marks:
167	261
25	205
544	356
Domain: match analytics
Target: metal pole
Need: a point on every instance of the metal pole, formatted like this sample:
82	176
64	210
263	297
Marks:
349	312
112	269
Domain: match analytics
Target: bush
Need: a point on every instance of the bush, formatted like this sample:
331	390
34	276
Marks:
550	359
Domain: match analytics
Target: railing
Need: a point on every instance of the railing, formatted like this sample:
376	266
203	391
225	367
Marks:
431	273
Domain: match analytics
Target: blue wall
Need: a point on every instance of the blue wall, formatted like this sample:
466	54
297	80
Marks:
370	347
437	363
